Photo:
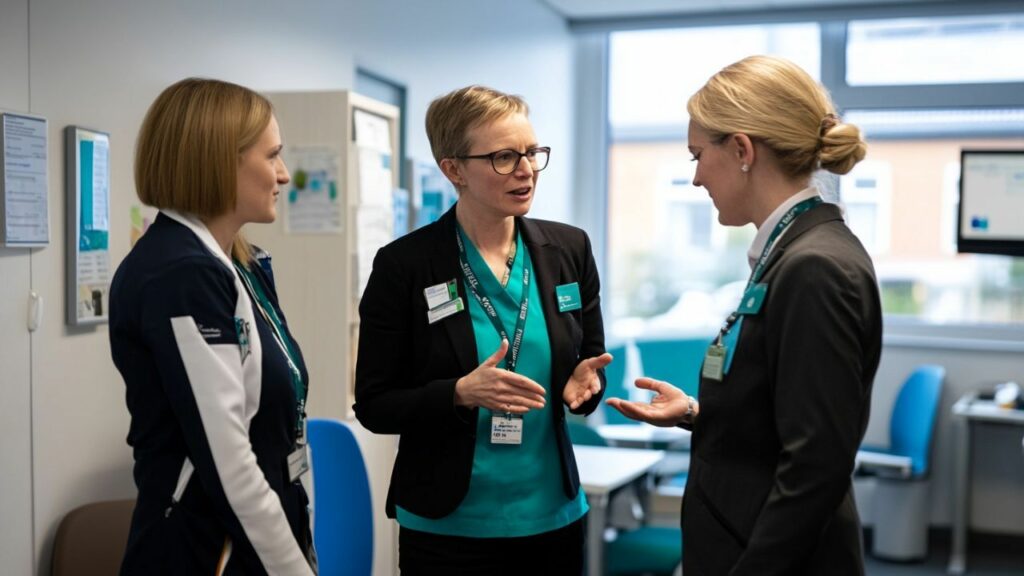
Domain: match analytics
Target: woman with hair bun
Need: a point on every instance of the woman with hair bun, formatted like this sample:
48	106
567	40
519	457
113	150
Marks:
785	387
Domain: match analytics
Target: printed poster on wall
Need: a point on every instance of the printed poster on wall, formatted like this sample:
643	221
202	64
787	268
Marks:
312	204
24	183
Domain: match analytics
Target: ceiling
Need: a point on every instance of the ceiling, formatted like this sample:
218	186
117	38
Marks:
590	10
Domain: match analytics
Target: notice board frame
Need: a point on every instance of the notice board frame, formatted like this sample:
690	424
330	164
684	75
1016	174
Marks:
28	158
87	219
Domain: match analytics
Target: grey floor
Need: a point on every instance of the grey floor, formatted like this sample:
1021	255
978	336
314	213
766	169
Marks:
988	555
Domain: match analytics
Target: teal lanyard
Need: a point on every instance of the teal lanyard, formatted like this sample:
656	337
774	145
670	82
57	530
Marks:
484	299
266	309
762	261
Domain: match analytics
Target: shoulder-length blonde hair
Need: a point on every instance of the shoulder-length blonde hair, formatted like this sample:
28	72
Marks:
187	153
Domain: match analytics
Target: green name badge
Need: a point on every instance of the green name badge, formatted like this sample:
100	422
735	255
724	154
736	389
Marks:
568	297
752	300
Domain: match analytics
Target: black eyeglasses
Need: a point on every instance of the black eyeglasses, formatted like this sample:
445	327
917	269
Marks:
505	162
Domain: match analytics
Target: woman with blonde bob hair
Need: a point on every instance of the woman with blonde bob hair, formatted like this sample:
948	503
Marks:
216	384
785	387
478	333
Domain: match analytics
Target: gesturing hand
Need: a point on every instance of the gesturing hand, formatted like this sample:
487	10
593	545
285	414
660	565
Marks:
584	383
498	389
667	408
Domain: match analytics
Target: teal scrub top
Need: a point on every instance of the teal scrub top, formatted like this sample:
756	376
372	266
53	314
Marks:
514	490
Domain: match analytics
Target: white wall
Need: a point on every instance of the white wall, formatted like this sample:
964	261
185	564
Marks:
99	63
15	389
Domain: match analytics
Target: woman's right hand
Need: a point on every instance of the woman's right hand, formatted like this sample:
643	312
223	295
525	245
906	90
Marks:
667	408
497	389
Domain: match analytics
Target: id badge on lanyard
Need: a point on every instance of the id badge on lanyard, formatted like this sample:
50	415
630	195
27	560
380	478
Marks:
505	428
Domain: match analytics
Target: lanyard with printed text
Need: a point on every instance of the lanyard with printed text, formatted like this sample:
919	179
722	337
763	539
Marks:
484	299
271	317
762	261
718	356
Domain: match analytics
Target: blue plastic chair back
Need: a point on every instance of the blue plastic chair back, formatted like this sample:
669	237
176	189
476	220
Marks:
676	361
913	417
615	375
583	435
343	518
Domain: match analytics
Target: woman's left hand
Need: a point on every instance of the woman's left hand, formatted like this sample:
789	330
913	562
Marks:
584	382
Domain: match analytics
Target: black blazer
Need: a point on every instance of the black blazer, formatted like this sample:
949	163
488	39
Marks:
769	489
407	368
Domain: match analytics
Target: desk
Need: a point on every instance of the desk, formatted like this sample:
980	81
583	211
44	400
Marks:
967	411
602	472
645	435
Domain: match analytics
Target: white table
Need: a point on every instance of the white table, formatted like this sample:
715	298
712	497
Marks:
602	472
968	411
645	435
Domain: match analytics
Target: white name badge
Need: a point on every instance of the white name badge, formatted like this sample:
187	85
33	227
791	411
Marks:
298	462
439	294
714	362
506	429
445	310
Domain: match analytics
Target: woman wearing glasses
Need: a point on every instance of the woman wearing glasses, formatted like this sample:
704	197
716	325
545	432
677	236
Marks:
477	333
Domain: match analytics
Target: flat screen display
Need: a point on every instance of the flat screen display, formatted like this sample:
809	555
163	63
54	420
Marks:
991	219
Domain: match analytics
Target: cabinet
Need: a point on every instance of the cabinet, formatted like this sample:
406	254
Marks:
322	247
347	145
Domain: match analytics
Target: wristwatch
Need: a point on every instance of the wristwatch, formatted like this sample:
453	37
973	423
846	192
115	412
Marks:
691	409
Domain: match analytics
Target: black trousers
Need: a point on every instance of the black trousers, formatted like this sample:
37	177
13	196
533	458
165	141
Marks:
557	553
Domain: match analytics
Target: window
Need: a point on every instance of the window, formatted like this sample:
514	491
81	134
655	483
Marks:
919	88
653	73
954	50
670	262
866	194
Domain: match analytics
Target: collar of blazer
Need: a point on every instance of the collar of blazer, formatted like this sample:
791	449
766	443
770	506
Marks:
547	271
823	213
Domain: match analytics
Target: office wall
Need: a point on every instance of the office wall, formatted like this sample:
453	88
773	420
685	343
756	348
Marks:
15	400
99	63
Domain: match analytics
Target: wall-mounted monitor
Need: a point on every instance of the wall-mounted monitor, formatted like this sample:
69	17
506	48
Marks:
991	218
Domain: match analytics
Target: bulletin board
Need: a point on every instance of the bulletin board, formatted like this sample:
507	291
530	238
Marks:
87	187
24	210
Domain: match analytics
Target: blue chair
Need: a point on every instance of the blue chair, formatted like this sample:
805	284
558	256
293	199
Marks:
615	375
343	517
649	550
676	361
582	435
652	550
900	506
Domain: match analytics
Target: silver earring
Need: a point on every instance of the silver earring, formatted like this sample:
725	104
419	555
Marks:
745	168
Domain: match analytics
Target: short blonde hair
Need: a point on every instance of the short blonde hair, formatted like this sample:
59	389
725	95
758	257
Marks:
452	116
777	103
187	153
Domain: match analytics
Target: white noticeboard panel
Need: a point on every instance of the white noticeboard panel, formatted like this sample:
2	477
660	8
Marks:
24	209
87	184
